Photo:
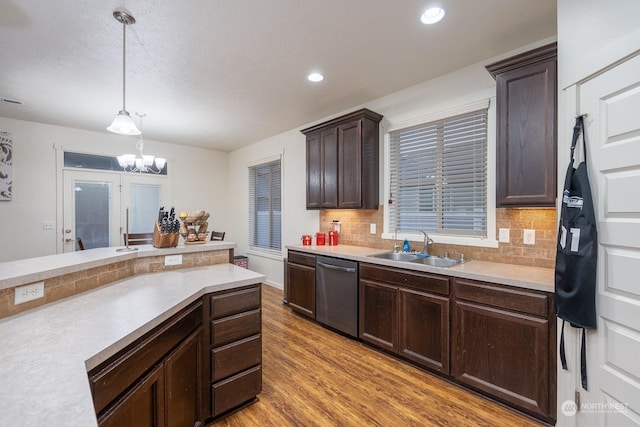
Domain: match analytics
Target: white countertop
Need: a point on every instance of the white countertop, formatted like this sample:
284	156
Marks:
29	270
45	353
537	278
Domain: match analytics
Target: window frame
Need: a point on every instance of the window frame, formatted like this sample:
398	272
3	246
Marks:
488	241
252	247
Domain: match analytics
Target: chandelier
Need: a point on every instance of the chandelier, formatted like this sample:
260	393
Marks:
142	163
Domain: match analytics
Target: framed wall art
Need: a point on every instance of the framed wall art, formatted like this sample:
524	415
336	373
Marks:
6	155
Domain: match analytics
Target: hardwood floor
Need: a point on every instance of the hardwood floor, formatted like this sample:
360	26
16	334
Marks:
315	377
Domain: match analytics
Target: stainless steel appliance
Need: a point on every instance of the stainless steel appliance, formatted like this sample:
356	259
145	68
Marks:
337	294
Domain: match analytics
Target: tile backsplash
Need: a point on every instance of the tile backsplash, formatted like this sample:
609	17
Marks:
355	230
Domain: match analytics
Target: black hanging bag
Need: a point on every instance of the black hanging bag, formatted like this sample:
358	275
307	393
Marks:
577	251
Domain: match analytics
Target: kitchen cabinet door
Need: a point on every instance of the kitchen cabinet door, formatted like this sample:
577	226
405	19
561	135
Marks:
301	276
142	406
184	382
526	134
350	165
343	162
379	315
424	329
322	169
504	344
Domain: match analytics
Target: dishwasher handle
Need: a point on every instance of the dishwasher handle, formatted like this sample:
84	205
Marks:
336	267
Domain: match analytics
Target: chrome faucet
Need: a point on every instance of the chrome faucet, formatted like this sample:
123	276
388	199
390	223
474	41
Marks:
396	246
427	241
461	258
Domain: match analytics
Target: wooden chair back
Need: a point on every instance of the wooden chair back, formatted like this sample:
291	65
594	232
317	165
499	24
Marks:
138	238
217	235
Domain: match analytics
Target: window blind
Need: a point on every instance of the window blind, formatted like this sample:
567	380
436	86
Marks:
265	212
438	176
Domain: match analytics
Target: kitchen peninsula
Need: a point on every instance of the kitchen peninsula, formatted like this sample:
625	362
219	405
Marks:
49	353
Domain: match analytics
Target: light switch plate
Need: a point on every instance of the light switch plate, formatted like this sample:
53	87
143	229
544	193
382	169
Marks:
48	225
529	237
372	228
503	235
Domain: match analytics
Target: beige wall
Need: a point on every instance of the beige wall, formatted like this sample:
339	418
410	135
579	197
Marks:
199	180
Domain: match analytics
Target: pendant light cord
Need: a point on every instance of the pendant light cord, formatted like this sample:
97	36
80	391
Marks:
124	65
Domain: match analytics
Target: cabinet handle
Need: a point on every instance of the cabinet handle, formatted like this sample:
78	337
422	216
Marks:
335	267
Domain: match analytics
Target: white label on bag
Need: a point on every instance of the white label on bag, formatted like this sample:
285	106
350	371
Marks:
575	239
574	202
563	237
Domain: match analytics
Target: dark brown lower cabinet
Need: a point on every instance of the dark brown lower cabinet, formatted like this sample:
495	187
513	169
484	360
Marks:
142	406
301	276
235	353
504	344
424	329
183	379
379	315
170	394
406	313
186	371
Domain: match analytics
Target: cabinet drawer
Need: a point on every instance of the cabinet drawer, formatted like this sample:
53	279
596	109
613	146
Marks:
235	391
502	296
233	328
302	258
236	357
235	302
418	280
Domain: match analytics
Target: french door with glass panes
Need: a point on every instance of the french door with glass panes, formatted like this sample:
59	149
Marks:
95	205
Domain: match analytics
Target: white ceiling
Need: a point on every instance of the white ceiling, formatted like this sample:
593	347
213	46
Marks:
224	74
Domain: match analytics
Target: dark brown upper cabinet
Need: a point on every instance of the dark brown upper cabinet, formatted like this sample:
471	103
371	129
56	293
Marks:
342	162
526	90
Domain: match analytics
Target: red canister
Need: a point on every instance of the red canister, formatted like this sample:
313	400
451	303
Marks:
333	238
306	239
320	238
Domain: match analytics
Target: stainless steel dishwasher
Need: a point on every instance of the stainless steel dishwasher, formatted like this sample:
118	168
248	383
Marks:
337	294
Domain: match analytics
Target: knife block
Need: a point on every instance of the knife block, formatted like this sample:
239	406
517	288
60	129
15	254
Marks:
164	240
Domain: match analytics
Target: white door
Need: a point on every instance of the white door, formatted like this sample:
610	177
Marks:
91	209
143	195
612	102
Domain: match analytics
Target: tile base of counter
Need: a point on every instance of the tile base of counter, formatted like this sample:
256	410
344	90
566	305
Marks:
63	281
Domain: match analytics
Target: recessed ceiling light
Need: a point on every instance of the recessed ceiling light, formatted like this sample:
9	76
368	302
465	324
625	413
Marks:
432	15
315	77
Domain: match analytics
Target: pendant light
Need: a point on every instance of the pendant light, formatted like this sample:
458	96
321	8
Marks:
123	123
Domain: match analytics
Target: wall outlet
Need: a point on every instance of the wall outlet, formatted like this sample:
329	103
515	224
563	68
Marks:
48	225
29	292
173	260
372	228
503	235
529	237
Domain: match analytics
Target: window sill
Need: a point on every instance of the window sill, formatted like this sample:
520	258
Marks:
445	240
264	254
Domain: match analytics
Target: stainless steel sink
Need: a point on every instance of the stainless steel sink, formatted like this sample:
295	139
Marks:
436	261
396	256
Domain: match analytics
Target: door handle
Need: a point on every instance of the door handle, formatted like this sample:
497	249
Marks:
68	240
336	267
